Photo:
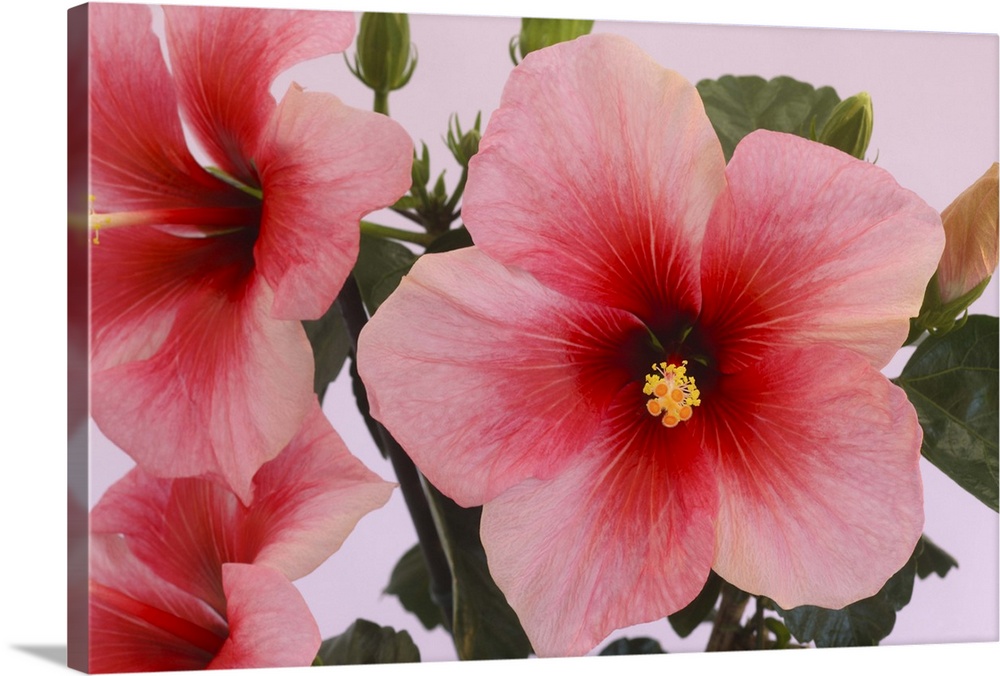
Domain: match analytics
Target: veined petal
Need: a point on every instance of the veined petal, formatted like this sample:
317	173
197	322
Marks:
192	376
323	165
269	622
820	490
140	622
623	536
486	377
140	159
811	245
224	60
306	501
597	175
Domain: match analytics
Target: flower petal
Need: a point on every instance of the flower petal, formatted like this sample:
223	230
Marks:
306	502
140	622
140	158
971	231
485	376
269	622
820	490
812	245
597	175
191	376
322	166
224	60
623	536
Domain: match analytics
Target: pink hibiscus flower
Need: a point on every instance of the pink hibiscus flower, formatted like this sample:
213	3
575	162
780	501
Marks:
184	576
652	364
200	362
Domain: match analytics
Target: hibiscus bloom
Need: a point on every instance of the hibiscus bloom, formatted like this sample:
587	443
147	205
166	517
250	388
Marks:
185	576
651	364
200	362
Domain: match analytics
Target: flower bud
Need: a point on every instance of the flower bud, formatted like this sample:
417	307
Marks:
850	126
539	33
385	59
463	145
970	254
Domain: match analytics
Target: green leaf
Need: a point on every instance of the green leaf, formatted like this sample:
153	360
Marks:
411	584
952	381
365	642
633	646
381	264
933	559
458	238
739	105
484	625
686	620
330	345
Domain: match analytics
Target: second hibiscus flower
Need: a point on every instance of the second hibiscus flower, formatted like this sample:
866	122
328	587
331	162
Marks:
653	364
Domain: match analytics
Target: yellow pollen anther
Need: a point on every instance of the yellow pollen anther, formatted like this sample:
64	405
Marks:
673	393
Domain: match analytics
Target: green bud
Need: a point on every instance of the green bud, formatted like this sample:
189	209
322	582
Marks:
539	33
850	126
420	172
463	145
385	59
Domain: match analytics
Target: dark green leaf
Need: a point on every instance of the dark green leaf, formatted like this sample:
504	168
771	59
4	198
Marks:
484	625
634	646
685	620
451	240
330	344
411	583
381	264
952	381
933	559
365	642
739	105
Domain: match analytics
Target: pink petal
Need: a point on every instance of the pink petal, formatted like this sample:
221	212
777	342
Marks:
813	246
224	61
191	375
597	175
322	166
623	536
486	377
306	502
820	490
140	622
140	158
269	622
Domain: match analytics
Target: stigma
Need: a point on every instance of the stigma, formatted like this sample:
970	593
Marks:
674	393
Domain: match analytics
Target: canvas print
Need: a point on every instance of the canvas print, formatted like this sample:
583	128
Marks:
401	338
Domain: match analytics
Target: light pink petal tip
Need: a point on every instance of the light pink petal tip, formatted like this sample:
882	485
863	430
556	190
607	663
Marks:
224	60
821	499
811	246
270	624
323	166
597	174
484	389
623	536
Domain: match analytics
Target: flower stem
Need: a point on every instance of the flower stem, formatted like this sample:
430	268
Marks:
386	232
381	103
728	628
355	317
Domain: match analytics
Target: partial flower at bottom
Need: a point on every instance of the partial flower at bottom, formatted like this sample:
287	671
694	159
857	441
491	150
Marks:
653	364
184	575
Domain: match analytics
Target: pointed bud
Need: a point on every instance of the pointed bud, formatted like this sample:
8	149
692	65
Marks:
850	126
540	33
385	59
969	258
463	145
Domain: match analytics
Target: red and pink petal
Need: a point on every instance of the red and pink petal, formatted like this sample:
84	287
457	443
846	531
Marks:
486	377
810	245
819	482
323	165
597	175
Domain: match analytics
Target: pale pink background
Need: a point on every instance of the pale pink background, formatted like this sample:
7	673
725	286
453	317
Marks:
935	100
